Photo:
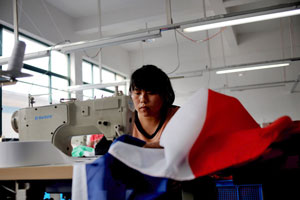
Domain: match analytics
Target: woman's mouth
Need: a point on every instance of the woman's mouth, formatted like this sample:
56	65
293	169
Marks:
143	108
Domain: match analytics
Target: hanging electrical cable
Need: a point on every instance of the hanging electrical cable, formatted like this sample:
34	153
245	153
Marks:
100	36
94	56
142	52
208	45
177	53
282	47
291	36
195	41
98	53
224	61
170	21
292	44
202	40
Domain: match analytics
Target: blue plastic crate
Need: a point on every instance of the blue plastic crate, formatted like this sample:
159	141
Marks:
47	196
228	191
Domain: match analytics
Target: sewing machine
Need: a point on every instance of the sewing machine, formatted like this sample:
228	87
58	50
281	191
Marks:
112	116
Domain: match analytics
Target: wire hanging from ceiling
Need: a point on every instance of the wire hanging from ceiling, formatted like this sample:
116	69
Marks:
31	21
52	20
224	61
177	53
202	40
282	47
94	56
98	53
291	29
208	45
170	20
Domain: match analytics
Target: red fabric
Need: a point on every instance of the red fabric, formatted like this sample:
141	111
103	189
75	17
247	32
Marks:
96	137
230	136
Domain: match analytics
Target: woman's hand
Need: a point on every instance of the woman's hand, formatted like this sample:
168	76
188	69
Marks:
153	145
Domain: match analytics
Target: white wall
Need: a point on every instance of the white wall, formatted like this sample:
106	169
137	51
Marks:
264	105
267	105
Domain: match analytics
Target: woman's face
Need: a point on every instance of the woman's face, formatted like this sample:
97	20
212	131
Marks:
146	103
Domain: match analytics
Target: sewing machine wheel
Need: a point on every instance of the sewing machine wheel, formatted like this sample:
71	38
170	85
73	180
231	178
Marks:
14	121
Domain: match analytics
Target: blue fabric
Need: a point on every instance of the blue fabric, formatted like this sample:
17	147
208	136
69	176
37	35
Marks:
108	178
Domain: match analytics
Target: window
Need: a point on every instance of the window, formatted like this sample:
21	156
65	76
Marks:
87	72
96	74
31	46
108	77
91	75
121	87
59	63
50	76
57	93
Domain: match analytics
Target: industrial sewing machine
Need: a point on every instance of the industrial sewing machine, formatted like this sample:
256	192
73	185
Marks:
111	116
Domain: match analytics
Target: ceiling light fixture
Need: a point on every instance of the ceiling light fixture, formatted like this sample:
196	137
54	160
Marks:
155	32
232	19
95	86
109	41
250	68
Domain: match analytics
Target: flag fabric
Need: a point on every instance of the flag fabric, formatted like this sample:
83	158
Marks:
210	132
108	178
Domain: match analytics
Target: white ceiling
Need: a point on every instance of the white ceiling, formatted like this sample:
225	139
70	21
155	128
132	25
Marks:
120	16
79	8
256	42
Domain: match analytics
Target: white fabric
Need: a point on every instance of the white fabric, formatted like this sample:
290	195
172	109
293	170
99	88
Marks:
79	182
177	139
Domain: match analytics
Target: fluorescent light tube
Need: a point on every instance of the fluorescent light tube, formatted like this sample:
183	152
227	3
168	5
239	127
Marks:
95	86
240	19
109	41
243	69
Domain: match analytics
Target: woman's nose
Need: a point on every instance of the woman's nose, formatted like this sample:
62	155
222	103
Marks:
143	97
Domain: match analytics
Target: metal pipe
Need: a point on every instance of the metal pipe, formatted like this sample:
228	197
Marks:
169	12
16	24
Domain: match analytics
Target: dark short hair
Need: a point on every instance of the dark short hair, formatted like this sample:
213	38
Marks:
153	79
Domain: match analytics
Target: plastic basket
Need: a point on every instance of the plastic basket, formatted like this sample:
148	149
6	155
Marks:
228	191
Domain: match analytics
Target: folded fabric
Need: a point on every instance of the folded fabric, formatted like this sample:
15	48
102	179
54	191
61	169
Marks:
108	178
81	151
210	132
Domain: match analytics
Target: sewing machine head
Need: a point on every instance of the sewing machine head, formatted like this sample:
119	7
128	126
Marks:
112	116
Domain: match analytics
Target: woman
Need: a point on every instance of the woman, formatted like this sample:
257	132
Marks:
153	96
